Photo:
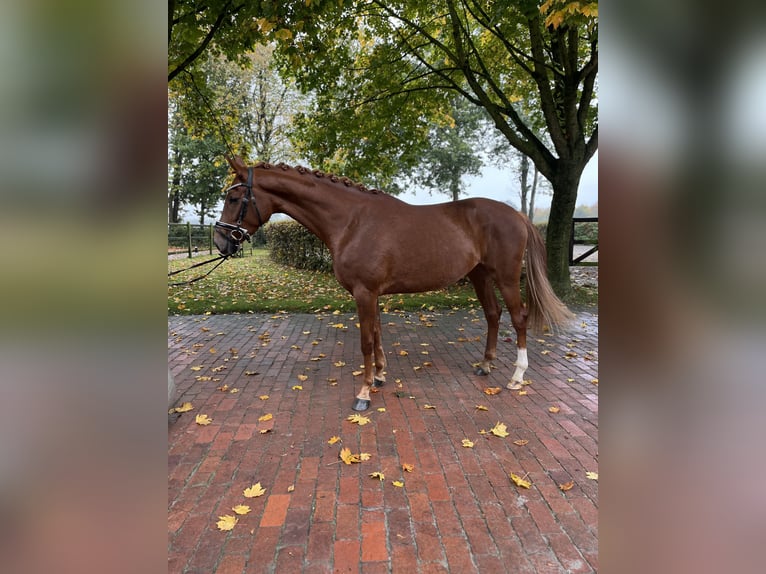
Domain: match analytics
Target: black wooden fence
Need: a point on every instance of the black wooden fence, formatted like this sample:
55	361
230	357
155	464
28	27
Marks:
588	236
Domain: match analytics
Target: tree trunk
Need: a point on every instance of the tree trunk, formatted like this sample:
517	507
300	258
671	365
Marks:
559	229
455	188
524	168
532	197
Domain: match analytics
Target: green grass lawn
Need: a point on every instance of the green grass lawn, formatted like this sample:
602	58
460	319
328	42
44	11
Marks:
255	283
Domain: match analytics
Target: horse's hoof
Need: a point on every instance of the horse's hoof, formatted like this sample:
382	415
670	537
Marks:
513	386
361	404
481	372
378	382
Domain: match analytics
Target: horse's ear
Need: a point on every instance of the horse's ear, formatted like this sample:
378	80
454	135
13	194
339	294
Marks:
236	163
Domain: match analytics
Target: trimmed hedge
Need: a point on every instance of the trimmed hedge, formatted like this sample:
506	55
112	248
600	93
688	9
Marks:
292	244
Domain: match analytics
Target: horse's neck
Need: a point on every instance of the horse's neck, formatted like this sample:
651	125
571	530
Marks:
323	209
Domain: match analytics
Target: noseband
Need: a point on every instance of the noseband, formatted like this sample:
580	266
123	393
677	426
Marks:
237	233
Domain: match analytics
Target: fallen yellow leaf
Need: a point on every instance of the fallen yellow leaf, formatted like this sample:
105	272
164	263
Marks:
378	475
264	431
492	390
403	353
203	420
520	442
408	467
398	483
591	475
356	373
232	391
364	456
264	397
266	417
226	522
381	409
523	393
429	407
566	486
339	364
291	488
254	491
333	440
303	378
594	381
223	388
197	368
554	410
184	408
500	430
467	443
250	373
241	509
519	481
297	388
358	419
481	408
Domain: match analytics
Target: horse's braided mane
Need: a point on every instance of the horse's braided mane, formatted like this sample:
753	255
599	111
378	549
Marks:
317	173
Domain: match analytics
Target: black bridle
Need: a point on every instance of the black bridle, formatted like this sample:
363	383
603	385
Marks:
237	233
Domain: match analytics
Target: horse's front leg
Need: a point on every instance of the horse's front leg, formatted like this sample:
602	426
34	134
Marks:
367	307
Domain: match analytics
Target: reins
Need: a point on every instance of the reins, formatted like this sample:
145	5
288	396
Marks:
190	281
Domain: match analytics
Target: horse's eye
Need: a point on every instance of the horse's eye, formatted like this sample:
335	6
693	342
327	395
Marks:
233	199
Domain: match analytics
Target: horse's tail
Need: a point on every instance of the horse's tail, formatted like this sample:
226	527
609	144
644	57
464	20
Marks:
543	306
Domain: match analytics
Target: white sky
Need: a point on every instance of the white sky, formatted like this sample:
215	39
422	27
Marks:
503	185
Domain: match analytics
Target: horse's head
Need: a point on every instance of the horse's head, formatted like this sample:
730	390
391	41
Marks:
241	216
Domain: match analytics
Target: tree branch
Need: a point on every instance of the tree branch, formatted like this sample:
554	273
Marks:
206	40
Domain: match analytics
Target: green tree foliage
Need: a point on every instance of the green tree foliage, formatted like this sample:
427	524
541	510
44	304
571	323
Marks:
198	29
453	151
196	170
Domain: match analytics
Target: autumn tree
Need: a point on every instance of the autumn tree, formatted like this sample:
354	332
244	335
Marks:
219	107
381	69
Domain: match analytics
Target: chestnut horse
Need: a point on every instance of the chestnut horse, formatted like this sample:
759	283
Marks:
381	245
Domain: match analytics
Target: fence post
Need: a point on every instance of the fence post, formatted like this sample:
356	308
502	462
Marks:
188	234
211	238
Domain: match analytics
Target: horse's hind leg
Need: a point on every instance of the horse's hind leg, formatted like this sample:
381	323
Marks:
367	308
512	298
485	291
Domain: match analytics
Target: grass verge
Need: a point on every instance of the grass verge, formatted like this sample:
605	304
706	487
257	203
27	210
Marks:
257	284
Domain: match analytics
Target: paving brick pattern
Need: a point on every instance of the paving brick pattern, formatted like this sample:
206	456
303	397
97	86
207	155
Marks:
458	510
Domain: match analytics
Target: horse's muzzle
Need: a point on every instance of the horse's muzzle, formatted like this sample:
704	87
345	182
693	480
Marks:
228	238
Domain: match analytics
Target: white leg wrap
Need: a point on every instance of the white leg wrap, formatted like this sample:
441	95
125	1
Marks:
521	366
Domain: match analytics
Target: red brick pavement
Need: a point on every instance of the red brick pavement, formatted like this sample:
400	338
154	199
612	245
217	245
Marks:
458	510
